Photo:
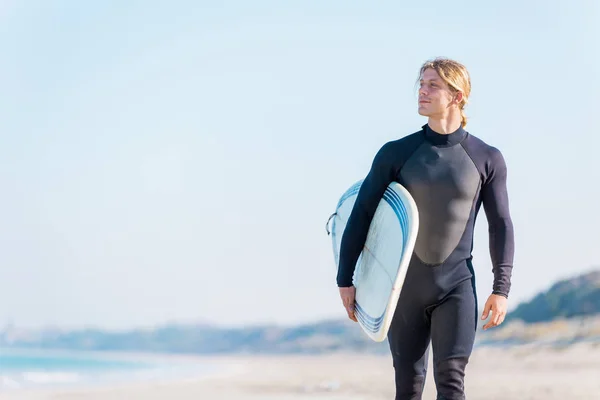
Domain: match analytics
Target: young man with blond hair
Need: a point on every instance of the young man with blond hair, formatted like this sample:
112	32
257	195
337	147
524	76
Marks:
450	173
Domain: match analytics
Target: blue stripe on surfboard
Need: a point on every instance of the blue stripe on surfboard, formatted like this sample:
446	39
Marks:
403	216
398	206
372	324
400	210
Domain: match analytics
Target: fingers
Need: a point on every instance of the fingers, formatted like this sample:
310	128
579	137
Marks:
489	324
349	305
348	302
486	310
350	311
347	295
497	318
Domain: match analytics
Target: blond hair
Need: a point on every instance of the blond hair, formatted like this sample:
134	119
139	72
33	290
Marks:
456	77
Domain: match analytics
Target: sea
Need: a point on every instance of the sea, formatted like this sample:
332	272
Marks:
32	369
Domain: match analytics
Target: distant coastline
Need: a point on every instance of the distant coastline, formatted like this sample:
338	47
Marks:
567	312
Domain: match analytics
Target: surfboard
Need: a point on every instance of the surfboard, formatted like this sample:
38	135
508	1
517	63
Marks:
384	260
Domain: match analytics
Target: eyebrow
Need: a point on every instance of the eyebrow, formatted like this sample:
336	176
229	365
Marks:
430	80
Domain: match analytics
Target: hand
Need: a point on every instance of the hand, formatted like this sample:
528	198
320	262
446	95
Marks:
348	294
497	305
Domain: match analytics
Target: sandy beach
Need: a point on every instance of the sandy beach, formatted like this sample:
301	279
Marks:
523	373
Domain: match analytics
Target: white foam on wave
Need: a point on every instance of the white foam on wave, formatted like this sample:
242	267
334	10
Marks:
28	379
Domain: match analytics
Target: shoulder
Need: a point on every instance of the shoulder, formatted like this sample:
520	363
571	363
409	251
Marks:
486	157
402	147
476	144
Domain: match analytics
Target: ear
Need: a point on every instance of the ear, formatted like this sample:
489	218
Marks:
458	97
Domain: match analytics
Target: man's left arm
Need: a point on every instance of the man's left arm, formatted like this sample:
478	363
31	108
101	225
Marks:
501	237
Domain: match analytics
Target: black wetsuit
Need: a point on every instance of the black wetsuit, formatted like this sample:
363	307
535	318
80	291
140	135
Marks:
450	177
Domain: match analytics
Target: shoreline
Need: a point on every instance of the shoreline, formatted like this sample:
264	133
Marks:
146	369
528	372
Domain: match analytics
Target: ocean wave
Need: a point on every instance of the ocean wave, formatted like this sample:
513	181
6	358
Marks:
37	369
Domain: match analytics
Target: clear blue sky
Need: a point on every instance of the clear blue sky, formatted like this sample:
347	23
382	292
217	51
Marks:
177	161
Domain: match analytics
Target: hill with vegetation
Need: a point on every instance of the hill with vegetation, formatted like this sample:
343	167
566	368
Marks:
568	298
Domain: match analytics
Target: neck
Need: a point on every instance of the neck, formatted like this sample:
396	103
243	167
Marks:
445	125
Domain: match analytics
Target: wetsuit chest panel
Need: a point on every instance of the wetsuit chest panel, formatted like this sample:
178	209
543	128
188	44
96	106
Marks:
444	182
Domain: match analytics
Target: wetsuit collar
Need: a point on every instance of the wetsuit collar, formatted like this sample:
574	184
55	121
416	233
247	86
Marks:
439	139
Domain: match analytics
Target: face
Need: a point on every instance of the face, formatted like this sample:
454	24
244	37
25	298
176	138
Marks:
435	96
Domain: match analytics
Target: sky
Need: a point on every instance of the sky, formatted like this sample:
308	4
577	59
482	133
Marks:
177	161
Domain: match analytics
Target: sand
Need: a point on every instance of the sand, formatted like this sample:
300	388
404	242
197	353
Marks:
523	373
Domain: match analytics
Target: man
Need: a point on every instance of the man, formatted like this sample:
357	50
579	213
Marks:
450	173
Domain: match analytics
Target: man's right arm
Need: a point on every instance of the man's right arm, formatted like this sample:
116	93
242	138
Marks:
380	175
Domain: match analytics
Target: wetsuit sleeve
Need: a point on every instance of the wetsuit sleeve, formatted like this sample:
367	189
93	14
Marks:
501	236
371	191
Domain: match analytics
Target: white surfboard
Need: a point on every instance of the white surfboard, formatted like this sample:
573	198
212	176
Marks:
383	262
